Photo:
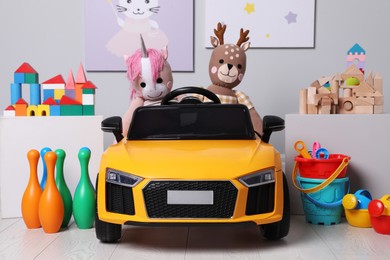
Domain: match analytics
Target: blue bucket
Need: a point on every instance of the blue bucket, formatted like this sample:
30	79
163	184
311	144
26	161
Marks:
323	207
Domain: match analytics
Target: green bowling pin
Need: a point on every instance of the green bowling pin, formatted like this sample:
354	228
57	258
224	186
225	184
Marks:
63	188
84	196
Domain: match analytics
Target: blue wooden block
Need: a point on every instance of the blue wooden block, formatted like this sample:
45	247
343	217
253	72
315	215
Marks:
55	110
16	92
18	77
48	93
70	93
35	94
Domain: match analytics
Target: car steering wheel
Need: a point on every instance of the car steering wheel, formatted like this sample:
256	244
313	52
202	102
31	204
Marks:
167	100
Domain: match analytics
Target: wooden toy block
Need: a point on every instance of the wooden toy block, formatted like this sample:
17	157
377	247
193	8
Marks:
323	90
378	82
88	99
68	101
56	82
35	94
311	92
80	78
70	83
352	71
48	93
303	101
9	112
31	78
71	110
21	107
16	92
356	105
378	110
32	110
55	110
325	105
58	93
19	78
44	110
26	68
79	92
363	90
50	101
89	88
379	101
312	109
88	110
70	93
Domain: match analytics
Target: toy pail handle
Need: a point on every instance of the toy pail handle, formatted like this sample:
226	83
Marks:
326	204
325	183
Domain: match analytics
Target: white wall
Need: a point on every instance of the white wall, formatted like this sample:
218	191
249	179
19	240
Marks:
49	35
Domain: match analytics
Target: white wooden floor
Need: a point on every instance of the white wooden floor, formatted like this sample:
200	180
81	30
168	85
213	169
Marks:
305	241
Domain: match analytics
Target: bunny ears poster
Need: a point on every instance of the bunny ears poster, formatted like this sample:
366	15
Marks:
272	24
113	29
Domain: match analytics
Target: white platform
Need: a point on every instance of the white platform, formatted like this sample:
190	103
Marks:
366	138
20	134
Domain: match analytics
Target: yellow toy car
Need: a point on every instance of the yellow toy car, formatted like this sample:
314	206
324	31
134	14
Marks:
190	162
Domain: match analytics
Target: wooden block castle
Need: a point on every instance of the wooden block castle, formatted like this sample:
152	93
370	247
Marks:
346	93
60	98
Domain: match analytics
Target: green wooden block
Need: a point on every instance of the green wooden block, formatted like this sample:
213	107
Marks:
31	78
88	91
88	110
71	110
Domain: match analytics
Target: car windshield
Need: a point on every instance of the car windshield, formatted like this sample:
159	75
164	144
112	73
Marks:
188	122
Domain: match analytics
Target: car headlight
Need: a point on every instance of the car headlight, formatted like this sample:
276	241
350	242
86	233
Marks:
122	178
258	178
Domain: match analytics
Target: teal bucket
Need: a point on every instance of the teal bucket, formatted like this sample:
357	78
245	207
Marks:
324	206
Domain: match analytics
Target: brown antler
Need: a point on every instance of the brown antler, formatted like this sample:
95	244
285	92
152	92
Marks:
243	37
219	32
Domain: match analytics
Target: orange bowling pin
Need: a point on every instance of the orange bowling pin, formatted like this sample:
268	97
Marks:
32	194
51	206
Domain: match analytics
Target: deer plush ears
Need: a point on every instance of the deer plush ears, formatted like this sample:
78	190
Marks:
228	61
227	68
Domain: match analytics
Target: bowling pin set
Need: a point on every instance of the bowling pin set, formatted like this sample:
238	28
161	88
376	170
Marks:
48	204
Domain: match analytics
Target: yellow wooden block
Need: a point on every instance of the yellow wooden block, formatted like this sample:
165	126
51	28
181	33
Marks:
58	93
32	110
43	110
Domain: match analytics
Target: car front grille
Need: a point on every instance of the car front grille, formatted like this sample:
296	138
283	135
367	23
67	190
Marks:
156	199
119	199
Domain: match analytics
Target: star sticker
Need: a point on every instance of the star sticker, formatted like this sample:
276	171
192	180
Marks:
291	17
249	8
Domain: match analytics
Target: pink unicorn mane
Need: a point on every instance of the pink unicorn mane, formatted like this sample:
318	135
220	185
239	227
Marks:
134	64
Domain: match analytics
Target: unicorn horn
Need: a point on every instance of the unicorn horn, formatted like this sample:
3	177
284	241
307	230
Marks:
143	48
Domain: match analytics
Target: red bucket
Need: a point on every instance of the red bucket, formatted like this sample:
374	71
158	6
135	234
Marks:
321	168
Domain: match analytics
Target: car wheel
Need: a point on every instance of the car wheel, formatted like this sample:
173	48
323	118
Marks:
106	232
280	229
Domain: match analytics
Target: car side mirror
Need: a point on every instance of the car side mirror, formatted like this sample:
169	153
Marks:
113	125
271	124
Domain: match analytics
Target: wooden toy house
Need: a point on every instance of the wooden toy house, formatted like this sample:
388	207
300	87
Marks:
60	98
346	93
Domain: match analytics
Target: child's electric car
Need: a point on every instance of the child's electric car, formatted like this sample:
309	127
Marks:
192	163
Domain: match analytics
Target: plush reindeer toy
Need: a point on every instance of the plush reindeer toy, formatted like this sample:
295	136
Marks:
227	69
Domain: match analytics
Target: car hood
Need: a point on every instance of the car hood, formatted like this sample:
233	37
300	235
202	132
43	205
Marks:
190	159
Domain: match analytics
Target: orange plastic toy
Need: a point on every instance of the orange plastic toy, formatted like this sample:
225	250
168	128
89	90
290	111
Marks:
51	206
380	214
32	194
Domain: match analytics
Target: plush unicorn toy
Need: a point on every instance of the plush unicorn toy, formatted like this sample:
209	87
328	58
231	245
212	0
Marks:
151	79
226	70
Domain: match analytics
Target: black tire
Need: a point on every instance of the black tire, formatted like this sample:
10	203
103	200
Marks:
106	232
280	229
